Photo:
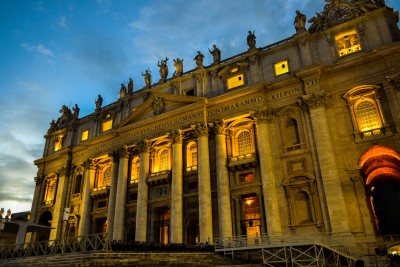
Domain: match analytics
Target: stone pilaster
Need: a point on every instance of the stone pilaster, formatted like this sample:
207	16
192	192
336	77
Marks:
37	197
204	182
176	188
56	223
113	195
84	224
315	103
224	196
267	170
119	222
143	194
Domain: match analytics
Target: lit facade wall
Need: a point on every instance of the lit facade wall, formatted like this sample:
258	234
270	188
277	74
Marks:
250	150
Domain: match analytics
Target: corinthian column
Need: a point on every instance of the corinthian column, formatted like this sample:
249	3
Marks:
143	194
119	223
205	210
176	188
315	103
113	195
267	170
224	195
84	224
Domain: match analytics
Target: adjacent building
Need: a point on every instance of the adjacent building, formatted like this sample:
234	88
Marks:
299	137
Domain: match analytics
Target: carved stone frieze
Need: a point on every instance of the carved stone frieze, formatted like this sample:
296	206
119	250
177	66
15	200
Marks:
158	106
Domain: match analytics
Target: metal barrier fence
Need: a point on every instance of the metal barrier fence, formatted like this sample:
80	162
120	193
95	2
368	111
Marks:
76	244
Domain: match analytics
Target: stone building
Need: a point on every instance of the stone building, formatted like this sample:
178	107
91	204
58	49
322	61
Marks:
299	137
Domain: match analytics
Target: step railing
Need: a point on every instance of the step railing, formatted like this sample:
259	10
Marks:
97	242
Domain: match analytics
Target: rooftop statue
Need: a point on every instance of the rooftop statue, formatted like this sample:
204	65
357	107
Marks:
300	22
76	110
163	69
99	102
147	78
122	91
216	53
130	86
251	40
178	64
199	59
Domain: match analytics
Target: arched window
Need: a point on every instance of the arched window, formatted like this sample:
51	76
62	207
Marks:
164	160
78	184
244	143
367	115
191	154
292	132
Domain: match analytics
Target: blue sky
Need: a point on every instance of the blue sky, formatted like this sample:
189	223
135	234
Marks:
55	53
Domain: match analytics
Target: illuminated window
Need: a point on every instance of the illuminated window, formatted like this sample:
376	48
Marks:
51	184
347	43
135	169
85	135
244	143
281	67
104	178
191	157
235	81
107	125
164	160
58	143
366	112
367	116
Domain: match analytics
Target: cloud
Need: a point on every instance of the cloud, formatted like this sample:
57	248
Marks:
40	49
62	22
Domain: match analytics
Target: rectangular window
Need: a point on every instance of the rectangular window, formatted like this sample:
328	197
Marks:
107	125
281	67
85	135
347	43
235	81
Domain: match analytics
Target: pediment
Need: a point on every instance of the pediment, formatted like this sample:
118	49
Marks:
160	103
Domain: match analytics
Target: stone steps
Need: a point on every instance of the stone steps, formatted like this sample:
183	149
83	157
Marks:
128	259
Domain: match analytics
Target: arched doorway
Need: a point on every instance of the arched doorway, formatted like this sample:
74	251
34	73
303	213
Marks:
45	220
381	170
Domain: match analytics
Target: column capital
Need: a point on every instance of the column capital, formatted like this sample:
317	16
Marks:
220	127
314	100
144	146
175	136
201	129
394	80
123	152
89	164
62	171
264	115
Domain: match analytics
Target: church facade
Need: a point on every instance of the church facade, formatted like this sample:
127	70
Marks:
297	137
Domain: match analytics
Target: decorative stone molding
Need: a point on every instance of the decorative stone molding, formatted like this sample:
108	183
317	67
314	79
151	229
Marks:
62	171
264	115
314	100
201	129
123	152
175	136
